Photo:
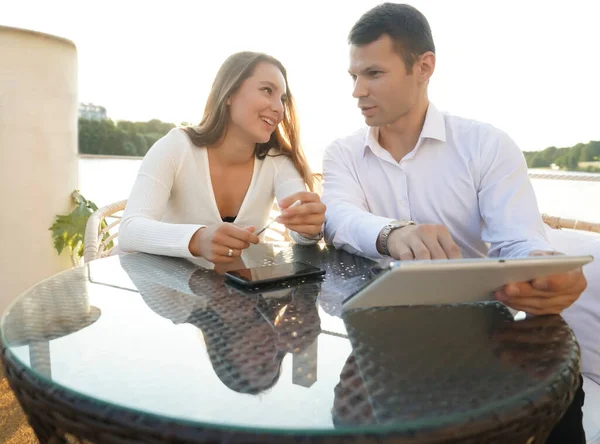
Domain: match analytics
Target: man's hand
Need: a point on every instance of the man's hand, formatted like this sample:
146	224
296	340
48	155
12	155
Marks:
546	295
305	219
422	242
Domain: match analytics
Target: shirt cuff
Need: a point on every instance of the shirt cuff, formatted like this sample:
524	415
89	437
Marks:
307	240
368	239
362	235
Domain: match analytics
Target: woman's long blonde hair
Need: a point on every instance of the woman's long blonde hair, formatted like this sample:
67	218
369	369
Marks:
285	139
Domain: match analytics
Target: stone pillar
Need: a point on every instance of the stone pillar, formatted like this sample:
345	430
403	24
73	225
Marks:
38	153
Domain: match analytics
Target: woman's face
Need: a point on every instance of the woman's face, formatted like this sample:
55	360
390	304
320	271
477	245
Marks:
256	108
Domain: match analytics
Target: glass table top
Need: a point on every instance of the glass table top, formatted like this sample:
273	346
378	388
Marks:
171	337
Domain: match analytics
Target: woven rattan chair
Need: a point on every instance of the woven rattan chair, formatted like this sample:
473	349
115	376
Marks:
97	239
572	224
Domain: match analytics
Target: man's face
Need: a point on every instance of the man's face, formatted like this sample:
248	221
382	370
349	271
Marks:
384	89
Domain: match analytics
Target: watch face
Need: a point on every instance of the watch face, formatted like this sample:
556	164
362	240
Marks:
402	223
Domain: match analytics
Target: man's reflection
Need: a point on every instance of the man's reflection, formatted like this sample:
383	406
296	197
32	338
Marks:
535	344
247	335
442	360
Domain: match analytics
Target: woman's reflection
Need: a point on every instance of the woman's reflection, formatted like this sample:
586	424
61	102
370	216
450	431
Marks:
247	335
351	402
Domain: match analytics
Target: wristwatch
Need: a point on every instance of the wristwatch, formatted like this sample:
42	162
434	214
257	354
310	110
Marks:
384	234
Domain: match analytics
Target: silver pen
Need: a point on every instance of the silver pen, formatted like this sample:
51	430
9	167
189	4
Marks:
295	204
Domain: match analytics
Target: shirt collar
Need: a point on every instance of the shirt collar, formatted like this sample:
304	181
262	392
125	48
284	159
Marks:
434	127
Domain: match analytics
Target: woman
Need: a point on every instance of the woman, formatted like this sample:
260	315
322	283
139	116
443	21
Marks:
203	191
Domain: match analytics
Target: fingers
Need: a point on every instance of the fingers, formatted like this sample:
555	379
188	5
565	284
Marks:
422	242
450	248
312	230
540	305
219	259
308	219
304	209
435	249
227	243
522	296
549	286
522	289
220	254
439	242
303	196
419	249
562	281
404	253
230	241
242	234
222	250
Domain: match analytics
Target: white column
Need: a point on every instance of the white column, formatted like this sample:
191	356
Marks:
38	153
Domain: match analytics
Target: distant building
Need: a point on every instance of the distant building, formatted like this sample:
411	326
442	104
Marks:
92	112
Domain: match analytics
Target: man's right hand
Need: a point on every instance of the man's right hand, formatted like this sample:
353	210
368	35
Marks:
216	242
422	242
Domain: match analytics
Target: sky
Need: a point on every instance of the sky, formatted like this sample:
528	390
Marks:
529	68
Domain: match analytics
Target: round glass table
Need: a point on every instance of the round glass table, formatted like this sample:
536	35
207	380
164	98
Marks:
142	348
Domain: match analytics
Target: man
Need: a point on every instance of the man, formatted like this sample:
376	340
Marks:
419	184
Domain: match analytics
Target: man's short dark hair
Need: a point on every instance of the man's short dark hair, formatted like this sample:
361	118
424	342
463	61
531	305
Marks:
406	26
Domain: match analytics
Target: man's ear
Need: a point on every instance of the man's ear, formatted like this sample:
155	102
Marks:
426	66
228	102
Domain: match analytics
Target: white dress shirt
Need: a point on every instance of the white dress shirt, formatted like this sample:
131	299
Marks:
466	175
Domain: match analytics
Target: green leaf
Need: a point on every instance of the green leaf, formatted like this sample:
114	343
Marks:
68	230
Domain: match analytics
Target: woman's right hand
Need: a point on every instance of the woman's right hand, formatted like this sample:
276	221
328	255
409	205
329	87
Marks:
222	243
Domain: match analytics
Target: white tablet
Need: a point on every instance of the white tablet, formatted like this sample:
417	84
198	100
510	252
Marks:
454	281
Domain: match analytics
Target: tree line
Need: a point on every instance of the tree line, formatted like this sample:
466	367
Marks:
568	158
124	138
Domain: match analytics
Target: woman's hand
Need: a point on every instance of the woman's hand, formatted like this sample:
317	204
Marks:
222	243
305	219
